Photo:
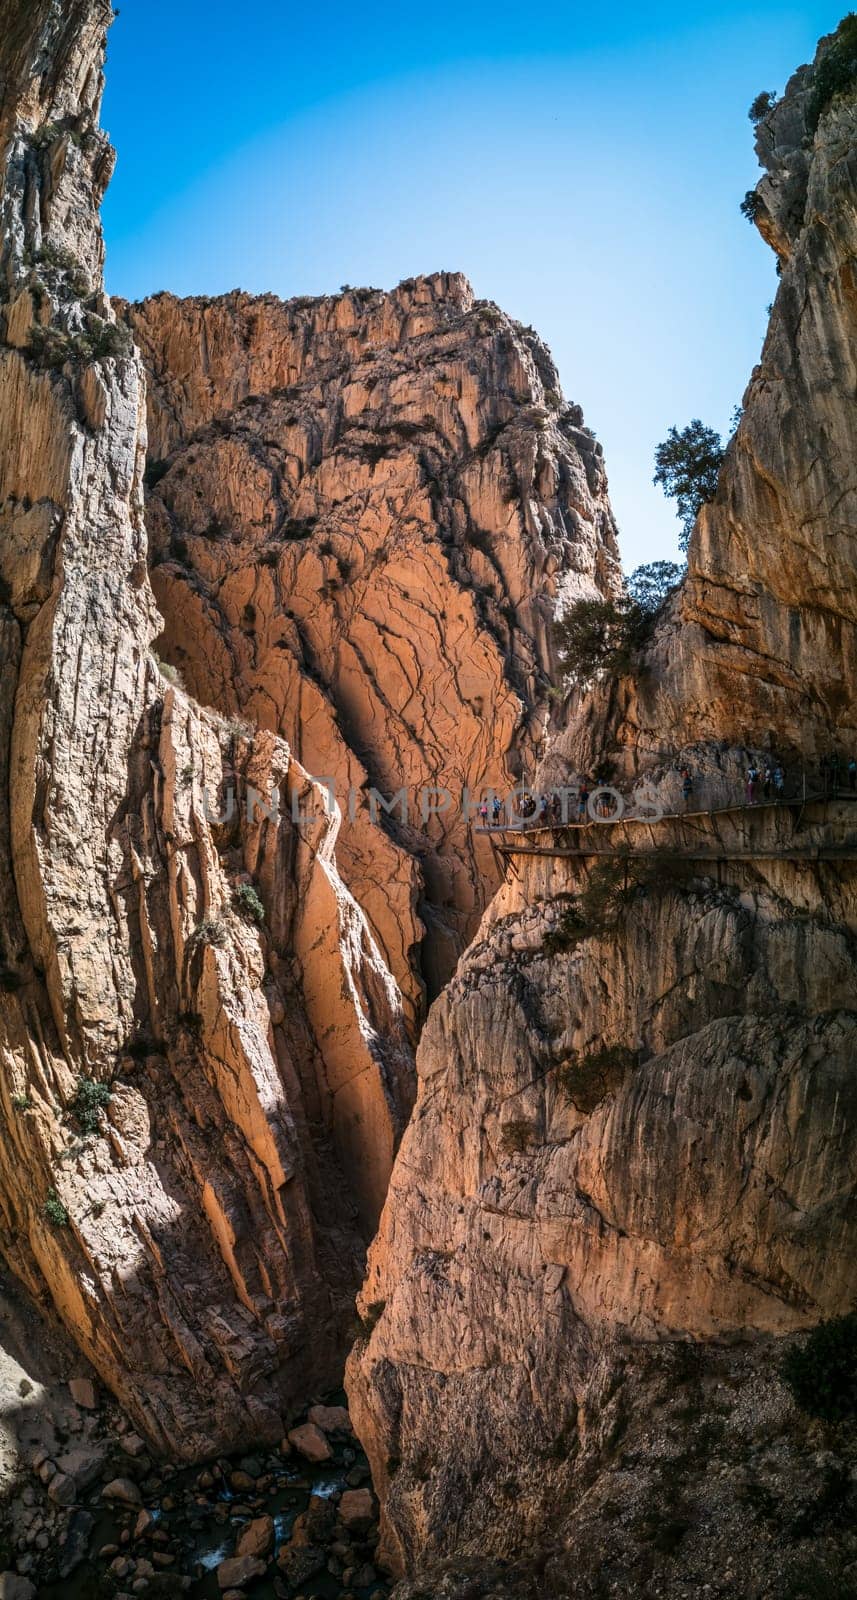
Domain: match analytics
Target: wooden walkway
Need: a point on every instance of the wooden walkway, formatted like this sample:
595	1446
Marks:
516	840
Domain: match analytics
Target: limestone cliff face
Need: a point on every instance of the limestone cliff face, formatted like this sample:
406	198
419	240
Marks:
199	1234
550	1202
366	510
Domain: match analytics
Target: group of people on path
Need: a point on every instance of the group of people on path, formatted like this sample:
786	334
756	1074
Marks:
765	781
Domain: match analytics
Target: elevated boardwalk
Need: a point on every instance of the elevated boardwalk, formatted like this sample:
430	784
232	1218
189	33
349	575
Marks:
578	839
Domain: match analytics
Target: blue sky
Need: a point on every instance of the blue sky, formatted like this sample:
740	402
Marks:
583	164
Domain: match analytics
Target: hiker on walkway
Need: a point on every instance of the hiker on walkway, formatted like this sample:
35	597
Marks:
582	802
483	813
544	809
686	785
834	771
767	780
497	810
752	783
852	775
779	782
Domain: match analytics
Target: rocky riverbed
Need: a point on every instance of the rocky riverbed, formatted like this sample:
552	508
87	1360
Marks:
98	1517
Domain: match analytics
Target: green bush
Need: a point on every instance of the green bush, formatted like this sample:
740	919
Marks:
22	1102
610	887
651	585
752	206
762	104
90	1099
836	72
822	1372
246	900
54	1210
599	636
687	466
587	1080
53	347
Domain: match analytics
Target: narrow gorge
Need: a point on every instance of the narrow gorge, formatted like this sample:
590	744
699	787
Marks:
281	1026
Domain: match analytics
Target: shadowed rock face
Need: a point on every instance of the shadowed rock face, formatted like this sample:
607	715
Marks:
550	1204
367	508
200	1238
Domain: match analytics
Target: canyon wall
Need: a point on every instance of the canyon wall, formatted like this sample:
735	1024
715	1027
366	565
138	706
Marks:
363	511
205	1066
636	1118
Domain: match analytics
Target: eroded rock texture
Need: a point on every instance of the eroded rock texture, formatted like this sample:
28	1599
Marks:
550	1201
201	1236
364	510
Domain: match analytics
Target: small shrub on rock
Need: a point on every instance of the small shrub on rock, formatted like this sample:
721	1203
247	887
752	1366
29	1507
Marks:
587	1080
54	1210
212	930
246	899
822	1372
836	72
90	1099
762	104
752	205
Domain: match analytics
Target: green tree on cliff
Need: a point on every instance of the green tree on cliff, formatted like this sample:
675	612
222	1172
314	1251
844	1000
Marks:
687	466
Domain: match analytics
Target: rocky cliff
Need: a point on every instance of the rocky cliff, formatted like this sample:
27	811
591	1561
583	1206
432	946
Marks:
204	1062
364	510
636	1119
361	513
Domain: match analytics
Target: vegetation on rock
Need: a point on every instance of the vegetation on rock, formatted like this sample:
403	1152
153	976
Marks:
586	1080
90	1099
836	72
687	466
246	899
54	1210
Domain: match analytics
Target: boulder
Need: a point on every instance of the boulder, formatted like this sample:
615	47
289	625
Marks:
257	1539
331	1419
61	1489
123	1491
83	1465
357	1510
14	1587
310	1442
82	1391
238	1571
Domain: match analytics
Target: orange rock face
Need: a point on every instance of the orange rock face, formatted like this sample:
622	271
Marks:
366	509
205	1069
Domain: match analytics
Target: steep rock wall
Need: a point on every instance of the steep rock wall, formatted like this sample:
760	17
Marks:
366	510
552	1205
201	1233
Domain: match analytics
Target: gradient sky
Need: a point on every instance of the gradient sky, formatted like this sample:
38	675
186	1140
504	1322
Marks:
583	164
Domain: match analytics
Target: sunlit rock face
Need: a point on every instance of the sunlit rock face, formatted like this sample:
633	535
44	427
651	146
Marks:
551	1207
362	514
200	1235
364	511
